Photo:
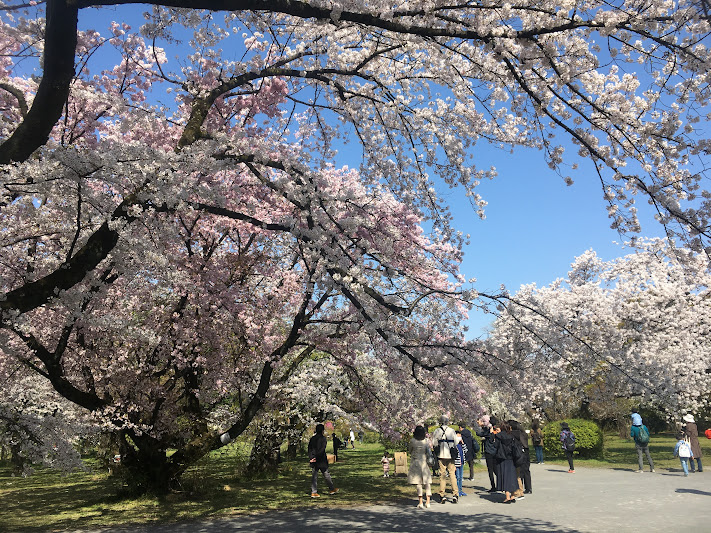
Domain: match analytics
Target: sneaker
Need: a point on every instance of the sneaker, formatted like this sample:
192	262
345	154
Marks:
334	491
420	506
652	470
492	489
427	505
640	471
522	497
455	499
571	471
462	493
528	492
315	495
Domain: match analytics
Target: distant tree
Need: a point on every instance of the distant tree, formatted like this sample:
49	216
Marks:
633	328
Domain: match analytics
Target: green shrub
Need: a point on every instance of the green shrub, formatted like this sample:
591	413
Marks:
588	438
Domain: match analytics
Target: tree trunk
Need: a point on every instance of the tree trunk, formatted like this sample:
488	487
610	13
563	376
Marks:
266	455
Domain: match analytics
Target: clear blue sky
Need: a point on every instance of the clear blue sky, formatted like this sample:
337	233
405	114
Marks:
535	224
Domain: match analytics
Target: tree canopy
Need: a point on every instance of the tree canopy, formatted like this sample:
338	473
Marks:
166	260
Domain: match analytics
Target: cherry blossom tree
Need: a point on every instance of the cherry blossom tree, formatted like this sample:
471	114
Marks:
167	260
635	327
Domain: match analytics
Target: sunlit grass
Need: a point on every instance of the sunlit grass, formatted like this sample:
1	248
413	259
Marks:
621	453
49	501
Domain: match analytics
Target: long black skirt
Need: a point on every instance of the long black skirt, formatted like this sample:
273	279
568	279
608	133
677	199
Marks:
506	479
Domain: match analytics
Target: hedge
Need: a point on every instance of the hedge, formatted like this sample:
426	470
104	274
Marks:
588	438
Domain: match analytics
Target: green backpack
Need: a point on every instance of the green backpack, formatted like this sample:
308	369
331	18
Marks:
643	436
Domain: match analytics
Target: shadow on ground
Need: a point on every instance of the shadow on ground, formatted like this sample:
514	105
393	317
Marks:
390	519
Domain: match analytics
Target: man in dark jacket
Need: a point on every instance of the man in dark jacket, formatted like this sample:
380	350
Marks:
472	448
319	461
489	443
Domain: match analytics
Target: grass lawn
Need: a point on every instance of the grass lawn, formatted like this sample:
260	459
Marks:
48	501
621	453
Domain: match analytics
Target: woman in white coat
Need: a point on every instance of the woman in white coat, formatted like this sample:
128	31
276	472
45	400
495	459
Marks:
419	473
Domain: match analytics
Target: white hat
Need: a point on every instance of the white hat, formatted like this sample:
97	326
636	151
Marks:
688	418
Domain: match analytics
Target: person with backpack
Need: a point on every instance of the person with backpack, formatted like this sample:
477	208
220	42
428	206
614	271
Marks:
522	459
640	434
567	441
445	442
506	478
682	450
537	439
691	431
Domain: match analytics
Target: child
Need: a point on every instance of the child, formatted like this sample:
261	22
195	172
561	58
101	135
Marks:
386	464
683	451
459	463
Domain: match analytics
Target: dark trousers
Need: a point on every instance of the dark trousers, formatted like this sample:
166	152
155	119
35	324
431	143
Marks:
470	462
525	472
490	463
698	462
569	456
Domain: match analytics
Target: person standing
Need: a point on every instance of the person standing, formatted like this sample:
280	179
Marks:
419	471
459	464
319	461
537	440
385	461
352	436
523	469
489	445
444	437
567	442
337	443
682	450
506	479
472	448
640	434
692	432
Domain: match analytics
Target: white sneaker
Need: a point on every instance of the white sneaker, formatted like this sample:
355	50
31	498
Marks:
420	506
427	505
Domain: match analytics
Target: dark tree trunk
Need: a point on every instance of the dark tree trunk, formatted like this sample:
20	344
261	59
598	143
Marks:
266	455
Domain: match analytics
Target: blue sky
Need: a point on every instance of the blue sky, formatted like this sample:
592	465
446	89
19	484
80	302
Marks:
535	224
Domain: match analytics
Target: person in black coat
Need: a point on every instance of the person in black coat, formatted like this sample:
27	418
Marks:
488	439
506	479
319	461
524	469
337	443
472	448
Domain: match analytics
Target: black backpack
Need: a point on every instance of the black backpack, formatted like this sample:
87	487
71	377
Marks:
569	441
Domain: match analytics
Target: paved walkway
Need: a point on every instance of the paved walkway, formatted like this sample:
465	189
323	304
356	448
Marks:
591	500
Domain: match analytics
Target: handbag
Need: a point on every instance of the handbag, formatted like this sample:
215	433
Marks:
429	456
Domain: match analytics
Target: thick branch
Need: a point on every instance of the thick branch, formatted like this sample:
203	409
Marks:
53	90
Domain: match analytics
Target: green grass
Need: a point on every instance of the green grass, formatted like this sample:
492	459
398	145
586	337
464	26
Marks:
48	501
621	453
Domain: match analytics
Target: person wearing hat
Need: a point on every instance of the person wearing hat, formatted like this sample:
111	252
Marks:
444	438
692	432
567	441
641	444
